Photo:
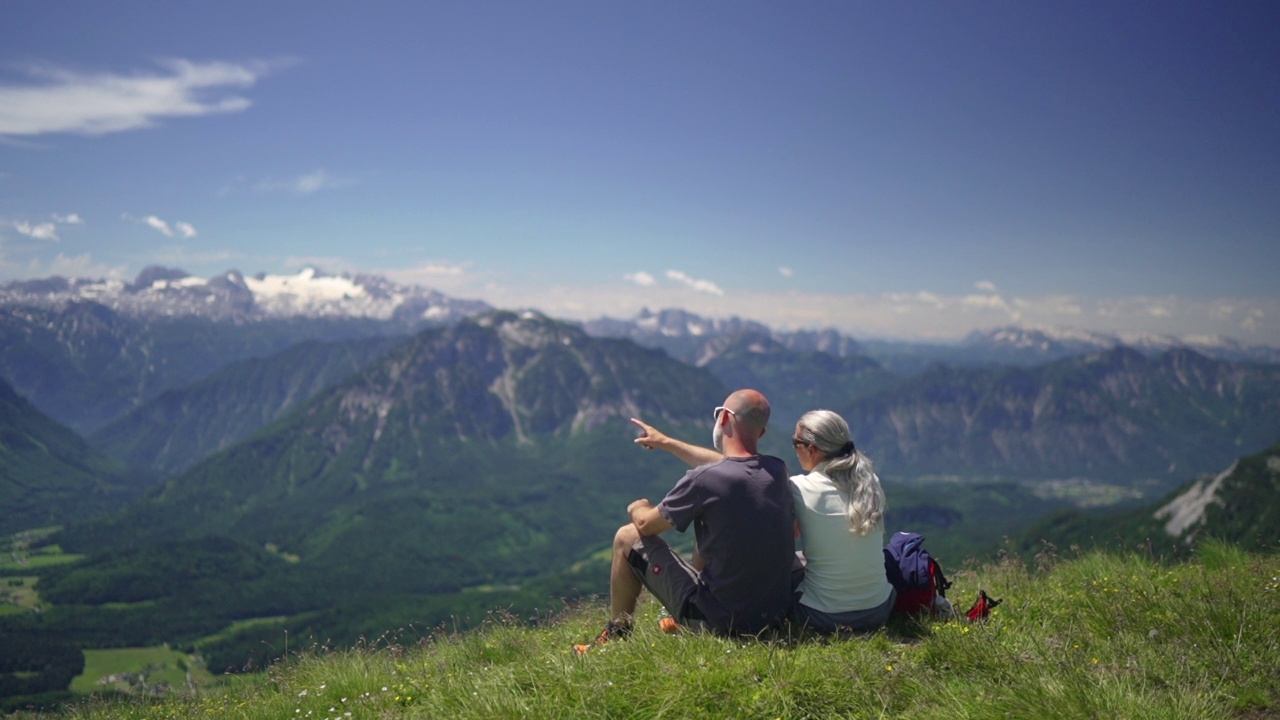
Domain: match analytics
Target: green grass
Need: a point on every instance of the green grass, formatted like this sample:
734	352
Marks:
155	665
43	560
239	625
16	558
1098	635
16	555
18	595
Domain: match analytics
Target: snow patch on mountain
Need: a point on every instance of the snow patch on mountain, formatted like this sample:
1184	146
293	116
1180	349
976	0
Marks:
231	295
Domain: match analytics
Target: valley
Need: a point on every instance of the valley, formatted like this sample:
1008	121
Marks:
326	478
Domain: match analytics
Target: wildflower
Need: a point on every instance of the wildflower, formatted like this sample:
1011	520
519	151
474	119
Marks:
302	694
888	668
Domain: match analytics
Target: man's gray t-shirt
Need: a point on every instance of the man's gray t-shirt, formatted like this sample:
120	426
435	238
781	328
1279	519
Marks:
744	522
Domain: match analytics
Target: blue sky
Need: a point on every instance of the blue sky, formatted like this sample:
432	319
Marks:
909	170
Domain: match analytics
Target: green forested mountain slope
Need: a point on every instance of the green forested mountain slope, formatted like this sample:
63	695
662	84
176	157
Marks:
48	474
1116	415
173	431
485	453
1240	504
444	405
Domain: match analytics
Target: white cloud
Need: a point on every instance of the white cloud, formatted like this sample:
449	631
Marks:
158	224
455	278
182	256
1051	306
67	266
641	278
703	286
437	269
786	271
84	266
984	301
1252	320
179	228
46	230
41	231
306	184
986	286
906	301
328	264
58	100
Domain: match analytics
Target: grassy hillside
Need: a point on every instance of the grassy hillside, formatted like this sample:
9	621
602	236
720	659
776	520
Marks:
1100	635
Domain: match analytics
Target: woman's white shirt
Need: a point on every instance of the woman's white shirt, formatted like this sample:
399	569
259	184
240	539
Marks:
843	572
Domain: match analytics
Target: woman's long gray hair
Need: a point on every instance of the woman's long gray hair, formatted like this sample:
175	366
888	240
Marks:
850	470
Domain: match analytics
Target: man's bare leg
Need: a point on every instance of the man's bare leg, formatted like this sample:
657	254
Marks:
624	586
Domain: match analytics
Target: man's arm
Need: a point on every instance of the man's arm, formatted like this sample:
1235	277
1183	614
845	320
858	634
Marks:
647	519
691	455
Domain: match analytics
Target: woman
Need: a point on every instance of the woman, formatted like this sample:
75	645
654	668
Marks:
840	513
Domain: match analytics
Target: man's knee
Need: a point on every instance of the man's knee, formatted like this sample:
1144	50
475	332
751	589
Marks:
626	536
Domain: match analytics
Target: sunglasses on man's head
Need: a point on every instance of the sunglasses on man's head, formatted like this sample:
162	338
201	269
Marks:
715	414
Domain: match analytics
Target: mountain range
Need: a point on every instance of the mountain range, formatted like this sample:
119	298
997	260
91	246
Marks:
333	451
486	409
1115	414
160	291
161	386
1036	345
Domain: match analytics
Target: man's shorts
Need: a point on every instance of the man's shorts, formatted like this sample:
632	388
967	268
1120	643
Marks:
672	580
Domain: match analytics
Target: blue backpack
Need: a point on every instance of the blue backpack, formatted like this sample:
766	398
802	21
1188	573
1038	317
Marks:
913	573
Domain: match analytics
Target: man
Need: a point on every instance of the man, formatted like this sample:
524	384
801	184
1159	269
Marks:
739	503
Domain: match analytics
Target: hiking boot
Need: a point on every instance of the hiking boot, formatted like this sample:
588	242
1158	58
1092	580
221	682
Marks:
612	631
